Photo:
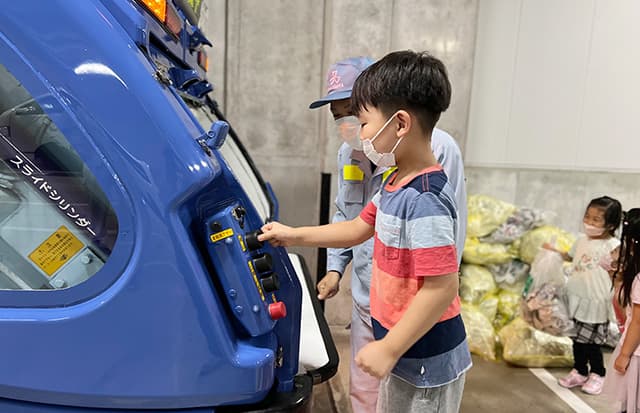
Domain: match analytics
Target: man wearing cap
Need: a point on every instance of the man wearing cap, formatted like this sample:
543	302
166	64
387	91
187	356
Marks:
358	180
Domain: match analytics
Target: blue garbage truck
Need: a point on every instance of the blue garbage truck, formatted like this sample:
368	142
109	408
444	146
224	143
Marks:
131	276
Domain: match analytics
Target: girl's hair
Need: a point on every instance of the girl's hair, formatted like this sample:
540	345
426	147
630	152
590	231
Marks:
612	212
629	261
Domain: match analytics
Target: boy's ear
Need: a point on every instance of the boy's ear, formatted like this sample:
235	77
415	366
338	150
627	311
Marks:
405	122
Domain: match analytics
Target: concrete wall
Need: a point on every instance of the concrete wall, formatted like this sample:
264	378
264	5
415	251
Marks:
269	62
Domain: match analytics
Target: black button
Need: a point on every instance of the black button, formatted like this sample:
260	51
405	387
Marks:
251	240
270	283
215	227
263	263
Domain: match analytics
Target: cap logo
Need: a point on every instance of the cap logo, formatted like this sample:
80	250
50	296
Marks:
335	81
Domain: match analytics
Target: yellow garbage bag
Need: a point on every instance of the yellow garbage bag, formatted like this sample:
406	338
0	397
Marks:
508	308
532	241
489	306
476	252
525	346
481	337
486	214
475	283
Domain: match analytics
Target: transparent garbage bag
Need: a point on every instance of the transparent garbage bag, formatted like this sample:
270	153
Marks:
511	275
543	306
521	221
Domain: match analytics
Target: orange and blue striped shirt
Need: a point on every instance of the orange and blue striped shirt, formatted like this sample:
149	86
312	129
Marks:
415	224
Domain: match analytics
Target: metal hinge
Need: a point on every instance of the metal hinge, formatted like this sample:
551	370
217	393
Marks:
162	75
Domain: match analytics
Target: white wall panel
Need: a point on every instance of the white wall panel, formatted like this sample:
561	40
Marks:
556	85
495	56
610	130
549	80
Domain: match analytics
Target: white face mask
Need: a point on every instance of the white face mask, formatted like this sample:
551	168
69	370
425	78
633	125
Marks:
385	159
349	131
592	231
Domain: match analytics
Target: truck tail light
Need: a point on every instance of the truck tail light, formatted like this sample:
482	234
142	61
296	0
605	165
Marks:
164	12
157	7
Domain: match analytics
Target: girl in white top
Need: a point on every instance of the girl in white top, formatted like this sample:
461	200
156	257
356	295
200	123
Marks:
622	381
589	294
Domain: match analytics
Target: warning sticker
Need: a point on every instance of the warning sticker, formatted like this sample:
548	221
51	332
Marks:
255	280
241	241
56	250
221	235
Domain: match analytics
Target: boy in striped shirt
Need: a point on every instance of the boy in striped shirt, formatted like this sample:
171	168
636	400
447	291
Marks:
420	350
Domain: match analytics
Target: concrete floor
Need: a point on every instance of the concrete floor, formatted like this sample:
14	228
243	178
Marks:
490	387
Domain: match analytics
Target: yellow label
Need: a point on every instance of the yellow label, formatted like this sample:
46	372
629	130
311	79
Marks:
388	172
241	241
221	235
56	250
273	297
255	280
352	173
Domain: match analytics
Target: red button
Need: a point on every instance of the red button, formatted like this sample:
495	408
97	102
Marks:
277	310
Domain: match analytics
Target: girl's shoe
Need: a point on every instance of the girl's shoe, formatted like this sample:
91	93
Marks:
573	379
593	384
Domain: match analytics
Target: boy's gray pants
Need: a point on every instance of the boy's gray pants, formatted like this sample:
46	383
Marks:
398	396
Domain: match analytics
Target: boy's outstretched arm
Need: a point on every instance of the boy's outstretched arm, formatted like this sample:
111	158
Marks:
338	235
432	300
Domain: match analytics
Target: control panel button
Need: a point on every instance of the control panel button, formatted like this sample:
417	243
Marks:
270	282
277	310
251	239
263	263
215	227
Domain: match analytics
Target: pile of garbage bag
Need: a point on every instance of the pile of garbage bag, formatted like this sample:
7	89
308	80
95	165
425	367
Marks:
502	243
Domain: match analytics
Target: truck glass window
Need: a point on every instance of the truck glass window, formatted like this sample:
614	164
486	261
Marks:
57	227
239	165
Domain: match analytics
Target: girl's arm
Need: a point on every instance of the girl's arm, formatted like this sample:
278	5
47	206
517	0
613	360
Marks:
338	235
631	341
565	255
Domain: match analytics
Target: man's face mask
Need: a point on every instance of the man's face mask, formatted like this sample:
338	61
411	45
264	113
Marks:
386	159
349	131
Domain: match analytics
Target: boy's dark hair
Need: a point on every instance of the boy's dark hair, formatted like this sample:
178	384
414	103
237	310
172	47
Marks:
612	212
629	262
407	80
